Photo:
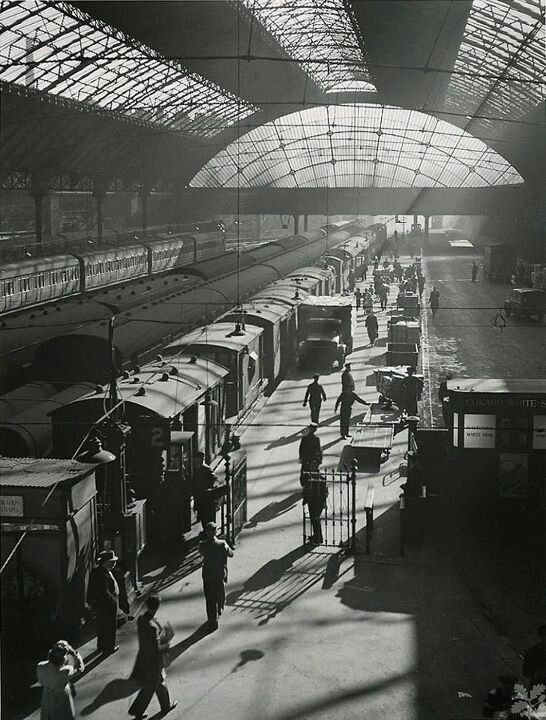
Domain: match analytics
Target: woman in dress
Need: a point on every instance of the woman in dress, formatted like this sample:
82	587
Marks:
55	675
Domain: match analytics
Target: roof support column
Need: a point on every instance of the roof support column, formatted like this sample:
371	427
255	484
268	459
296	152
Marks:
427	229
305	223
39	189
99	193
296	224
144	192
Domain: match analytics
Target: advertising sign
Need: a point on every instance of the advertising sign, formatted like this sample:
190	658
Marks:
479	431
11	505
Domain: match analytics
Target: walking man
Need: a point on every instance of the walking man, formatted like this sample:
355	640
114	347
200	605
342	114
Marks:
310	453
372	327
102	596
314	395
412	387
421	283
358	298
205	482
149	670
345	403
474	271
315	493
434	300
383	292
347	379
365	270
367	301
215	553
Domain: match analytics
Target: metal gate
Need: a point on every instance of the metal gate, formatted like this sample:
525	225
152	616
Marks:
329	508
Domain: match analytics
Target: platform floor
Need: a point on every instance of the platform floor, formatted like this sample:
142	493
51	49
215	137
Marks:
308	633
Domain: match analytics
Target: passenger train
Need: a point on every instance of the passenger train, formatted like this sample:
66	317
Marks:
255	341
39	280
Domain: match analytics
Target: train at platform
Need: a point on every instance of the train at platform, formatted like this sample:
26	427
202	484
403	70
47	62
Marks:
256	341
36	281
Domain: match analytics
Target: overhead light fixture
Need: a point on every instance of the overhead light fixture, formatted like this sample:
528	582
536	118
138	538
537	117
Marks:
95	454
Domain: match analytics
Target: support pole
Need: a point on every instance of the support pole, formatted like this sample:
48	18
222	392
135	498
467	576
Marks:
427	229
354	467
39	189
229	519
296	224
99	193
305	223
402	523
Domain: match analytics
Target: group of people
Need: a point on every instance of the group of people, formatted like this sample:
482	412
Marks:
315	395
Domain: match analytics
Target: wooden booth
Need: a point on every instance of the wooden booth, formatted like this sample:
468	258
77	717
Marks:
44	584
497	443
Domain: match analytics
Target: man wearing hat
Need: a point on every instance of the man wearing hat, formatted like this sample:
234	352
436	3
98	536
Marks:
102	596
215	553
206	490
314	395
310	453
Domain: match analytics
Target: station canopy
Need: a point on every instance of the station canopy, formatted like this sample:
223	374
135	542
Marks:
322	36
57	49
357	145
500	68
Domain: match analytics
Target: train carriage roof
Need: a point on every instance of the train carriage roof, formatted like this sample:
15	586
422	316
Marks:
219	334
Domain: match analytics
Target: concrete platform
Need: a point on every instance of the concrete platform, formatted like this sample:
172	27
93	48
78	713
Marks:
311	633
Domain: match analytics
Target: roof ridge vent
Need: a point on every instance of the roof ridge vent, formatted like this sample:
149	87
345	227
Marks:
165	377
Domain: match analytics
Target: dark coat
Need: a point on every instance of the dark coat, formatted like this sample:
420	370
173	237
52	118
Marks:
347	380
103	590
310	449
204	499
150	661
314	394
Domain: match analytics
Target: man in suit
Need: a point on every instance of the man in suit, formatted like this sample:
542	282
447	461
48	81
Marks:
345	404
149	670
215	553
102	596
347	379
310	453
314	395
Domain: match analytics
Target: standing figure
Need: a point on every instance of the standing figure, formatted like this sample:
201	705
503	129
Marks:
358	298
372	327
310	453
412	387
204	499
351	280
474	271
367	301
55	675
315	493
365	270
149	670
345	403
444	399
347	379
383	292
215	553
375	263
434	300
421	282
314	395
102	596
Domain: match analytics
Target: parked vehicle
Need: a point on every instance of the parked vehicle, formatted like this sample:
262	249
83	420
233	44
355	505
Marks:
326	329
498	261
526	302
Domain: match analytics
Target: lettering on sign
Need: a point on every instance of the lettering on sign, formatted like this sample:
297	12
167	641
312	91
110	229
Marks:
11	505
505	402
539	432
479	431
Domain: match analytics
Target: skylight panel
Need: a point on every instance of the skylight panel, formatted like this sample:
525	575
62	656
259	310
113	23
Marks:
57	49
506	40
320	36
392	146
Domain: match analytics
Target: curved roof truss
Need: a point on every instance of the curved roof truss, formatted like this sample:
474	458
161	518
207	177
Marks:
56	48
357	145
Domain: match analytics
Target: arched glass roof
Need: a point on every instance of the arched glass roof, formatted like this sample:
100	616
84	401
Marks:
501	60
56	48
358	145
318	34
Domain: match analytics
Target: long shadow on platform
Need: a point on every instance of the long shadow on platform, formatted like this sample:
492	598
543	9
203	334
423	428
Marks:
274	509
